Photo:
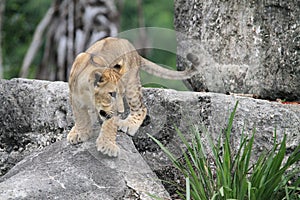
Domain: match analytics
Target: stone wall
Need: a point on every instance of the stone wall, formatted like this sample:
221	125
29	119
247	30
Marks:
245	46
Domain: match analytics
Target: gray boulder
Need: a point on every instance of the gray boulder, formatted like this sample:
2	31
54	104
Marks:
63	171
245	47
36	114
169	109
33	114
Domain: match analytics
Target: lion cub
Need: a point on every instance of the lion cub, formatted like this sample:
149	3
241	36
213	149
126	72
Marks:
99	79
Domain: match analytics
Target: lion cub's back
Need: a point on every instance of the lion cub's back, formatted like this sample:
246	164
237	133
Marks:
112	49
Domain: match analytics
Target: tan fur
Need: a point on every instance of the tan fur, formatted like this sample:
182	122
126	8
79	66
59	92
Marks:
116	63
111	75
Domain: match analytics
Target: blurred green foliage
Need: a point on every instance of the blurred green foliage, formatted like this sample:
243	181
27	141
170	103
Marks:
20	20
157	14
22	17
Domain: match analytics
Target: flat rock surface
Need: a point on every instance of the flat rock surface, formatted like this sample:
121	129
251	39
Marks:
64	171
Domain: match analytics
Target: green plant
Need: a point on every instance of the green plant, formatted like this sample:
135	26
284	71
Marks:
225	175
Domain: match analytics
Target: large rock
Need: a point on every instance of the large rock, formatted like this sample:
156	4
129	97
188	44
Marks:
36	113
33	114
63	171
245	47
169	109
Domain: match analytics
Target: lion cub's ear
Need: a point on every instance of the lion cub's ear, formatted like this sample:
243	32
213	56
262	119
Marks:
120	67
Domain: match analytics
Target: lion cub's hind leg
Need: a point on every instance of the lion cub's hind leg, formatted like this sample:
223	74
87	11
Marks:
106	142
83	128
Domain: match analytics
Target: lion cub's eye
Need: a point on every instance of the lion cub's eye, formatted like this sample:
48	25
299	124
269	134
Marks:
98	79
113	94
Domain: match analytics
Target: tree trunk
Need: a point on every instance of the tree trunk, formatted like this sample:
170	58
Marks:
73	26
36	43
245	46
2	6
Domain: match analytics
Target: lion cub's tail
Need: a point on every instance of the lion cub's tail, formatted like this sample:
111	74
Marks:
159	71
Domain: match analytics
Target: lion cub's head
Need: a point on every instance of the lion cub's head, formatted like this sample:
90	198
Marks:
106	89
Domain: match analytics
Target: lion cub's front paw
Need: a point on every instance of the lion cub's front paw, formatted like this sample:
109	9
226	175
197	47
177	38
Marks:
107	147
75	136
129	127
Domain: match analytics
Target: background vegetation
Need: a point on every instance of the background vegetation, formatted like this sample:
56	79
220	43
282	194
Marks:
225	175
20	20
22	17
